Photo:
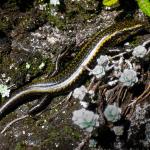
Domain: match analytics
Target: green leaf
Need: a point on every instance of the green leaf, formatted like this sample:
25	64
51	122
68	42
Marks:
144	6
110	3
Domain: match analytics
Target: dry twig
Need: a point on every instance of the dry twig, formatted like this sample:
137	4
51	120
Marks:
13	122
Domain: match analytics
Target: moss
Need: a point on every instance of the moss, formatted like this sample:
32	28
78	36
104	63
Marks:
50	67
34	61
47	70
19	73
82	11
5	24
68	130
10	3
73	11
31	21
20	146
135	41
25	5
1	99
55	20
61	136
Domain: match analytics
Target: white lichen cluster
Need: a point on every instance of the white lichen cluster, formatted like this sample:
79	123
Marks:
140	113
147	132
4	78
146	141
85	119
118	130
54	2
43	6
4	90
139	116
42	65
138	120
27	65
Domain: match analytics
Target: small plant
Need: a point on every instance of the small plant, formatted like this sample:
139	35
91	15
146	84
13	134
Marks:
139	51
144	6
85	119
80	92
103	60
98	71
112	113
128	77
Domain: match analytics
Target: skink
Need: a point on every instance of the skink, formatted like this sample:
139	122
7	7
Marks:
71	76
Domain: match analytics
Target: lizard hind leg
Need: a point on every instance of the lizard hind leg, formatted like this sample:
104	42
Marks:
44	102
